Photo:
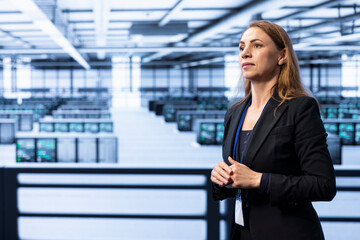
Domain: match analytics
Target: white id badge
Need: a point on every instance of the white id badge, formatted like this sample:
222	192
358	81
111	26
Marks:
239	216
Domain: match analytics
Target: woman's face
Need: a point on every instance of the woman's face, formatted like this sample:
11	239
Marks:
259	57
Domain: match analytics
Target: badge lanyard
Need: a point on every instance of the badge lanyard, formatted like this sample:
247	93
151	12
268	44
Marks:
239	216
238	131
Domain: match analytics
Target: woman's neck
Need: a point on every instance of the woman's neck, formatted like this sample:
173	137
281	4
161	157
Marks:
261	92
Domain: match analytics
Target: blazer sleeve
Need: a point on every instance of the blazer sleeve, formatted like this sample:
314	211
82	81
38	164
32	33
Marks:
218	192
317	179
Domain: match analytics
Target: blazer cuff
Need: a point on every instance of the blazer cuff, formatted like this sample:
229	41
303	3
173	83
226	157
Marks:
264	188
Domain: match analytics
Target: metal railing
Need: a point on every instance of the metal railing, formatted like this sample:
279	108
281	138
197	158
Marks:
10	185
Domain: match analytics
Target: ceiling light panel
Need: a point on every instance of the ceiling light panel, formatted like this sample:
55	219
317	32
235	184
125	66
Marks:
6	6
20	26
122	37
14	17
82	25
118	32
137	15
80	16
71	4
144	4
197	24
217	3
328	13
293	23
87	32
304	3
28	33
278	13
200	15
122	25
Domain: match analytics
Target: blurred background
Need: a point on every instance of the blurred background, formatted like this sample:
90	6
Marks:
111	112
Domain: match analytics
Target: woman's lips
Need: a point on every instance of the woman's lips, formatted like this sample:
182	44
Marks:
245	65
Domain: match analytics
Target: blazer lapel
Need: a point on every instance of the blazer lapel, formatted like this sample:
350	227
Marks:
230	140
263	127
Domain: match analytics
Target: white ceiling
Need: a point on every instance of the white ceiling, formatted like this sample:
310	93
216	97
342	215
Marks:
100	29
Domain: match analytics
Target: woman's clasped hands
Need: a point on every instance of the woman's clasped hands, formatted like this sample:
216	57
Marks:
237	175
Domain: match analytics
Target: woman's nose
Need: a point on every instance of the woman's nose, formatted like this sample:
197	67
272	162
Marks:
245	53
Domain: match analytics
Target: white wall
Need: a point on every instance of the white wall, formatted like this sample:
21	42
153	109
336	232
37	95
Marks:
59	80
330	75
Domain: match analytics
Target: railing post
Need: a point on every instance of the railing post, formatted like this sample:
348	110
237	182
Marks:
2	203
10	216
213	213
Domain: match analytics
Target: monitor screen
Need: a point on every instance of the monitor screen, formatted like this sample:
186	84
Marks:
169	114
357	134
105	115
25	150
347	133
331	128
46	127
219	133
91	127
46	150
61	127
185	122
106	127
76	127
332	113
207	133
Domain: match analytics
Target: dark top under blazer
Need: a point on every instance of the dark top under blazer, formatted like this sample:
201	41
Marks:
292	147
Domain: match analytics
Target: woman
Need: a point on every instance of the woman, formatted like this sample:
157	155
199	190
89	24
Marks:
276	160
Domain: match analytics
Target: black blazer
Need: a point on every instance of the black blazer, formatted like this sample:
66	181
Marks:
291	145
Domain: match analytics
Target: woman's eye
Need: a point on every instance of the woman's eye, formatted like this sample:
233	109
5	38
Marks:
241	49
257	45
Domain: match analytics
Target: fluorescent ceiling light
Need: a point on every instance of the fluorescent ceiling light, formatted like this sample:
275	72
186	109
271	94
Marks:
328	48
41	21
156	56
174	11
178	37
101	11
201	62
125	50
344	38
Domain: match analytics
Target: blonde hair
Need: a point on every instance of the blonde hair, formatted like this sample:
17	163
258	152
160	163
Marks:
289	84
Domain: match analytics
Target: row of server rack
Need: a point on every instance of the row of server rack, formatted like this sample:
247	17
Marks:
73	131
204	116
207	121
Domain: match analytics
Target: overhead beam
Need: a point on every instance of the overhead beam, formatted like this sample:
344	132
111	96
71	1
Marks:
243	16
326	4
122	50
344	38
41	21
155	56
169	15
101	11
336	48
329	22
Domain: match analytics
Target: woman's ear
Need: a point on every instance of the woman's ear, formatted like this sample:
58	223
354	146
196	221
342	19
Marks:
282	57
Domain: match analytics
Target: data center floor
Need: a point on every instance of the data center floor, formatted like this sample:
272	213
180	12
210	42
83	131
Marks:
147	141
